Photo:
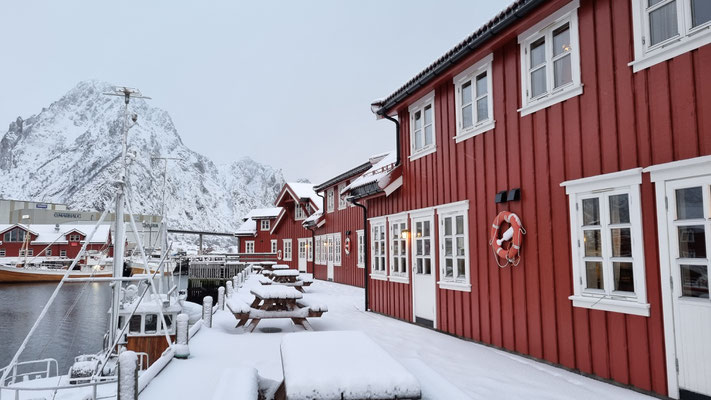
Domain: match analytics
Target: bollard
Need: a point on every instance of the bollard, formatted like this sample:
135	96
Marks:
230	289
221	298
235	281
182	337
128	376
207	311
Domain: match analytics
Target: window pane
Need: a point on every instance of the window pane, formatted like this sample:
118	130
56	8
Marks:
428	266
621	242
419	266
427	229
134	324
624	276
448	247
418	120
460	246
481	85
538	82
619	209
448	226
448	267
418	139
467	93
561	40
427	247
694	281
562	71
168	321
692	242
591	211
460	224
700	12
593	273
482	109
689	203
593	245
461	273
538	52
663	23
428	115
428	135
467	119
418	249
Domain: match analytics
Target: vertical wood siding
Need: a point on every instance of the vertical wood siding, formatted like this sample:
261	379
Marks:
289	228
622	120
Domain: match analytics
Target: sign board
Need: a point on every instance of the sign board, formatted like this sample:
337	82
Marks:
67	215
41	205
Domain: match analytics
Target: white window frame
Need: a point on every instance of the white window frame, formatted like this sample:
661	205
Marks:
309	251
274	246
287	250
419	105
628	182
469	75
337	250
48	252
62	253
342	203
318	250
329	200
455	282
299	212
686	40
249	246
264	226
74	237
2	252
382	272
398	276
360	234
424	215
566	14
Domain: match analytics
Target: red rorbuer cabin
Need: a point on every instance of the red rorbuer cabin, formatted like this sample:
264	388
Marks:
591	121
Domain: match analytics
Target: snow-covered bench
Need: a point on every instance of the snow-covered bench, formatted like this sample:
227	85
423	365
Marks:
272	301
264	280
365	370
237	383
315	309
239	308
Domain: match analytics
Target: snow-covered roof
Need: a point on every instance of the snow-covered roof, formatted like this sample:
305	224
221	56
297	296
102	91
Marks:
313	218
248	227
51	233
377	173
263	213
306	190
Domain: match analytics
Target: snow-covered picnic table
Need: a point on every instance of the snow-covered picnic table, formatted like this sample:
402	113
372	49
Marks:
279	266
364	370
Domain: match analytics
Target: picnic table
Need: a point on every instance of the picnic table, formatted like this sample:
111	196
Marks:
274	301
365	370
288	277
279	266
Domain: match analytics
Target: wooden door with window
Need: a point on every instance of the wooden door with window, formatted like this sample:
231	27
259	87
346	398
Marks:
302	255
423	271
330	250
689	233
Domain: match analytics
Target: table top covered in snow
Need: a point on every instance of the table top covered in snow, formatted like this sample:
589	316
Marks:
276	292
280	266
342	364
285	272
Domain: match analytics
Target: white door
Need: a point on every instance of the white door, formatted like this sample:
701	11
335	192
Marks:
423	270
331	252
689	222
302	255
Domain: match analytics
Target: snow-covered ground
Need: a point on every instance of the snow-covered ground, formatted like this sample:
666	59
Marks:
436	359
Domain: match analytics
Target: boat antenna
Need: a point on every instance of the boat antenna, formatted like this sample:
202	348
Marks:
164	226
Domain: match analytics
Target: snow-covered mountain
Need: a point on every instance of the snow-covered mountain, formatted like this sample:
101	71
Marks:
70	152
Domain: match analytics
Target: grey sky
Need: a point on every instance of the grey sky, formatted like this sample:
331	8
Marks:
286	83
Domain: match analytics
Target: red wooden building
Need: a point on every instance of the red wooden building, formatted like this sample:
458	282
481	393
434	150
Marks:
599	113
255	232
49	240
298	201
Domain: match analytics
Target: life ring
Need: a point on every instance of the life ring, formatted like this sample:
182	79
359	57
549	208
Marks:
347	246
511	253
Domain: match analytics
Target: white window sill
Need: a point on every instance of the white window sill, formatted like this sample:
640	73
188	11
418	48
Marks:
360	266
399	279
379	277
555	97
606	304
671	50
475	130
462	287
422	153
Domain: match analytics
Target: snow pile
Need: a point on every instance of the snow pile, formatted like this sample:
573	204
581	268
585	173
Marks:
237	306
128	368
376	173
237	383
276	292
342	365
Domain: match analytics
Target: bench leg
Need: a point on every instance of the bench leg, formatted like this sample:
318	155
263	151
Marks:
252	325
241	322
303	322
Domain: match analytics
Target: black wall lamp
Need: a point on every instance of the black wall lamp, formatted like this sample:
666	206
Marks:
511	195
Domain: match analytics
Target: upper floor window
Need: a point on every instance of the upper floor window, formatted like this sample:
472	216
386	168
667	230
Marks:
74	238
264	224
14	235
606	240
422	127
329	200
342	203
299	213
550	60
474	108
667	28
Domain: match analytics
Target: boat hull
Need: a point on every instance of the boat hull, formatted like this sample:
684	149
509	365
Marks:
16	275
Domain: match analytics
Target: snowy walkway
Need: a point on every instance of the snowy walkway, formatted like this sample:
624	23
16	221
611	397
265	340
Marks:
479	371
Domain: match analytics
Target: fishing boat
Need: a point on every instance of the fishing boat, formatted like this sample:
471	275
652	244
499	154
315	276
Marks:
50	271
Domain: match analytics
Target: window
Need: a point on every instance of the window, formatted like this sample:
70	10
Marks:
318	250
606	240
342	203
62	253
74	238
150	322
667	28
398	250
134	324
337	251
2	253
474	103
550	60
302	249
329	198
28	253
249	246
422	232
329	248
14	235
299	213
454	246
273	248
361	249
48	253
287	249
168	323
377	240
422	127
264	224
309	250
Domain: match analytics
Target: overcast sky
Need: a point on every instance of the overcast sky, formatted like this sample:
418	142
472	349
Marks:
286	83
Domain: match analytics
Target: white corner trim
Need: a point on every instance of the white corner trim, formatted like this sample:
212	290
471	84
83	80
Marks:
453	207
393	186
563	94
605	181
680	169
605	304
399	279
379	277
462	287
483	126
428	150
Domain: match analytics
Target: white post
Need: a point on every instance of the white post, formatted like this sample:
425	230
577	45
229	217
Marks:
207	311
235	281
181	348
128	376
221	298
230	289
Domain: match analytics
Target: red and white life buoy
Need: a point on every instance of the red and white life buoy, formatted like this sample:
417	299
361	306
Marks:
515	232
347	246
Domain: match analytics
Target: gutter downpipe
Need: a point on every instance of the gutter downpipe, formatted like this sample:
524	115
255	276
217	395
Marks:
384	114
366	259
313	238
